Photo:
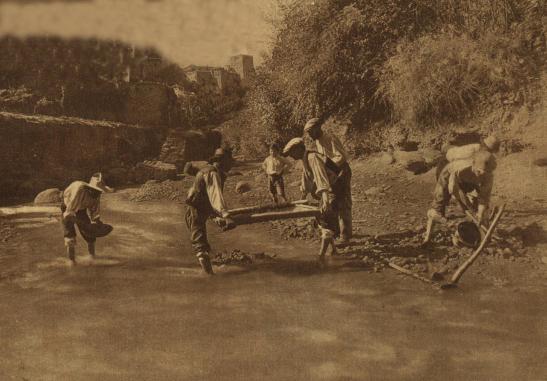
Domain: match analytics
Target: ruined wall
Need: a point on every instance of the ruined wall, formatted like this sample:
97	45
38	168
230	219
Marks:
182	146
37	152
227	81
149	104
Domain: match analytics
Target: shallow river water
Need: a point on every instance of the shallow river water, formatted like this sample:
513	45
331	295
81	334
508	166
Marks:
143	311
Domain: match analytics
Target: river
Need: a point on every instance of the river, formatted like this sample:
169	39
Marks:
143	311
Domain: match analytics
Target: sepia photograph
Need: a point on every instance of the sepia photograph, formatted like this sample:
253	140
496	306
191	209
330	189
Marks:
273	190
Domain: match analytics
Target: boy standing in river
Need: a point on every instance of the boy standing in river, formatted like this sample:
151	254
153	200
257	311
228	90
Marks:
274	166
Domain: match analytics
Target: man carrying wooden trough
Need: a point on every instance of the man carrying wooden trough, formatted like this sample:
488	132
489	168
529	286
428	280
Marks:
331	147
204	200
319	180
469	182
81	207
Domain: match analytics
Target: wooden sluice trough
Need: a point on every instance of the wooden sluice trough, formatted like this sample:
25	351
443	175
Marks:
272	212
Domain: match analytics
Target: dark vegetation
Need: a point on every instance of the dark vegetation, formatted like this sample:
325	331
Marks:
418	64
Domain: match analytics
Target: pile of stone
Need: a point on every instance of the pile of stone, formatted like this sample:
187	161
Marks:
511	241
238	257
154	190
49	196
302	228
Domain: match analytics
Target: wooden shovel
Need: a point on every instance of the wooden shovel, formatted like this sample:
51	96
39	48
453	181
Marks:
459	272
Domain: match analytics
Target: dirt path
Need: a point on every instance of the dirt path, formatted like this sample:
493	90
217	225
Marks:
142	311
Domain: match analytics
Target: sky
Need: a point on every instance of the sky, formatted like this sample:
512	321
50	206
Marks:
202	32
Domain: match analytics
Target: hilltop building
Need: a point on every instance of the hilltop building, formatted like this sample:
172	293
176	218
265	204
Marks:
243	65
216	79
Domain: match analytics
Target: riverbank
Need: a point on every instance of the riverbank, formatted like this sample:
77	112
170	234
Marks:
142	310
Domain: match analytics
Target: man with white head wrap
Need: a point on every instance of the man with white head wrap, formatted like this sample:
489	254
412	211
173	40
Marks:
330	146
318	180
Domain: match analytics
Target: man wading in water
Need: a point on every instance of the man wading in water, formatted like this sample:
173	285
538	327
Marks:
330	146
81	208
204	200
319	179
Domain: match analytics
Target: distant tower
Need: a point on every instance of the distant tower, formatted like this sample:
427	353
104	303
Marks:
243	65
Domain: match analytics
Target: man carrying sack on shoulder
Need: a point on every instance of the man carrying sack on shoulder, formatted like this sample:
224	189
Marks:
330	146
205	199
469	182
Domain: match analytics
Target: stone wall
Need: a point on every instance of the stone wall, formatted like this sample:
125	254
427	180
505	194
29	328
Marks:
149	104
183	146
38	152
228	81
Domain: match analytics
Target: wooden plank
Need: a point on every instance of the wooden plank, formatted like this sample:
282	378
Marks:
251	218
265	208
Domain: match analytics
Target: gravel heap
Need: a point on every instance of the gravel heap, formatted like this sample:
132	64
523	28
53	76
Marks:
238	257
301	228
441	256
155	190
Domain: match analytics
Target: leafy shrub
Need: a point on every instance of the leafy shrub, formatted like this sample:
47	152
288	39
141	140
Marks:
443	77
423	61
325	54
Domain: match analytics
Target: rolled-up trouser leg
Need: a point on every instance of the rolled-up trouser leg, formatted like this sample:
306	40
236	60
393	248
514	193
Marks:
196	223
69	233
327	239
328	222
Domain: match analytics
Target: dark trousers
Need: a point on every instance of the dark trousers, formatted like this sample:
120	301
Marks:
276	185
342	190
196	221
82	221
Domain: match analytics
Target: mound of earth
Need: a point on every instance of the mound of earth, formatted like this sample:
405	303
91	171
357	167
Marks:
238	257
154	190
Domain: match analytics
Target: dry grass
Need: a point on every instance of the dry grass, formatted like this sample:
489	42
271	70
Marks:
443	78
